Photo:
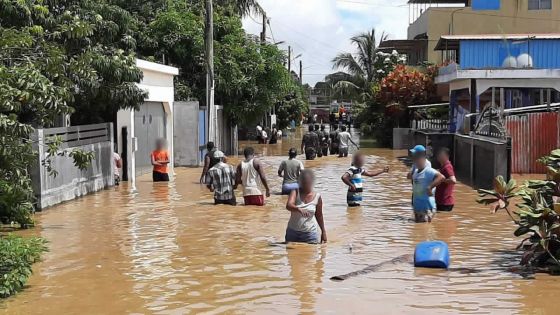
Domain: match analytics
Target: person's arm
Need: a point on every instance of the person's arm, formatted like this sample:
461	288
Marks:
303	144
376	173
233	178
319	217
291	205
354	143
205	168
348	181
210	183
451	179
281	169
257	165
154	162
238	180
438	179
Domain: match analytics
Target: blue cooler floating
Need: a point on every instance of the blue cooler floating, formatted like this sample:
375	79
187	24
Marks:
433	254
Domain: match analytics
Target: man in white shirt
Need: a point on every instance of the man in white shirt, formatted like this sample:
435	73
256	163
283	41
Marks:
344	139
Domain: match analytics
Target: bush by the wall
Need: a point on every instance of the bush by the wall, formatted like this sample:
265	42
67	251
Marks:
17	254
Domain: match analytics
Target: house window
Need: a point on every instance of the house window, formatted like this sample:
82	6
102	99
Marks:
540	4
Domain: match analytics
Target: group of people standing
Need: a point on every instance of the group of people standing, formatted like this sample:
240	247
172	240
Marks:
432	190
317	142
270	136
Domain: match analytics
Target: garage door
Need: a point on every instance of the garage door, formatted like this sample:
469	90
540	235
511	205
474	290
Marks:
149	125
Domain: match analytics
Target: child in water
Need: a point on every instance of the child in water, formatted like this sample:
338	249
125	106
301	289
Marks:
306	208
353	178
160	159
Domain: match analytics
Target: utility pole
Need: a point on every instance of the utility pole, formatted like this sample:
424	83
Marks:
263	33
290	59
300	72
210	107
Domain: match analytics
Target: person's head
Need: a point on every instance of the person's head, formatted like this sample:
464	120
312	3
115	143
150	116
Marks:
419	156
316	127
343	128
248	152
443	155
311	128
210	146
335	127
323	127
161	143
220	156
306	180
292	153
358	159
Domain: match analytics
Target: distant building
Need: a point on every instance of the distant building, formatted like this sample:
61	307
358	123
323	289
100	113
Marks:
431	19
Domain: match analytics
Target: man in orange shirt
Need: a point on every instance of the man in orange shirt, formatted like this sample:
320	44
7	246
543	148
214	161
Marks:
160	159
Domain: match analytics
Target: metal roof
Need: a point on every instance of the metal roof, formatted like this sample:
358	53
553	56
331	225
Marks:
451	42
439	1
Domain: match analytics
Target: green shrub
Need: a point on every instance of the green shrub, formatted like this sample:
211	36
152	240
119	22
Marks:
17	254
537	215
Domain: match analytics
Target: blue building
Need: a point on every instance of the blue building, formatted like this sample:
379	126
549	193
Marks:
498	73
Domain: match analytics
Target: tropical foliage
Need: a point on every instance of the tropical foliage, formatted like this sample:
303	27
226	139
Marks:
56	58
380	86
250	77
16	257
537	215
365	69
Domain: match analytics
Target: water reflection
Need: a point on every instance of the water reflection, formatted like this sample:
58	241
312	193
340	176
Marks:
168	250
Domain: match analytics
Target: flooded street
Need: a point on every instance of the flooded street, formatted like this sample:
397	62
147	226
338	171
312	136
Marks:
166	249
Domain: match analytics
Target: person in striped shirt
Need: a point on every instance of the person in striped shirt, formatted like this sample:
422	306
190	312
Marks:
221	181
353	179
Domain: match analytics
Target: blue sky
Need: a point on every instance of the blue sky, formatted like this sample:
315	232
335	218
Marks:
319	29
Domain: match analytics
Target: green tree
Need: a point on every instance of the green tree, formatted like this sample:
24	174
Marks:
58	57
365	68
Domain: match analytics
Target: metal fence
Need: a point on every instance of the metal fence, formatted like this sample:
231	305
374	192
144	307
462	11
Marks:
431	124
533	136
71	182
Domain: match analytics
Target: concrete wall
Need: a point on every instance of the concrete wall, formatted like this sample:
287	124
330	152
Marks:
71	182
402	139
513	18
185	133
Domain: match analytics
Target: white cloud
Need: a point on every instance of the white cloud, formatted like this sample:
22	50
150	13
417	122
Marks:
319	29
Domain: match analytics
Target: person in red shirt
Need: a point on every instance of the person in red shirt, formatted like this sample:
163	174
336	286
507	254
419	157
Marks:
160	159
444	191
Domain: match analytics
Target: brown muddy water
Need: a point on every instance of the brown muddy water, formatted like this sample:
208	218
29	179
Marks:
167	249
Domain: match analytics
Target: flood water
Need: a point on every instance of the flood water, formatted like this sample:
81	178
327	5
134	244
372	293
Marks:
166	249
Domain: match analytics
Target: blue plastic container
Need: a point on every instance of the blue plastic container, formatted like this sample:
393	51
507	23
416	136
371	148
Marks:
433	254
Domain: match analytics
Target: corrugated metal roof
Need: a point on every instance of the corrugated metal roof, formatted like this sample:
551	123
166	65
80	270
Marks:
502	36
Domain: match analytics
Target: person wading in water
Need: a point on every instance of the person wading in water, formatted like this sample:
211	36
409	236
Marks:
249	173
334	139
306	213
209	160
290	170
221	181
353	179
309	144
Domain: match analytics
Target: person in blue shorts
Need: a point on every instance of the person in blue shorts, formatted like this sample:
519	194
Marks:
424	181
353	179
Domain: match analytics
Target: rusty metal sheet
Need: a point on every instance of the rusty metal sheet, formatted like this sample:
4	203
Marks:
533	136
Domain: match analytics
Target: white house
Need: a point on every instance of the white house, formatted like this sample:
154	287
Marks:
137	131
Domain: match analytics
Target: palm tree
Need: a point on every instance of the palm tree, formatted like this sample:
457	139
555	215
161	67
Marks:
244	7
360	68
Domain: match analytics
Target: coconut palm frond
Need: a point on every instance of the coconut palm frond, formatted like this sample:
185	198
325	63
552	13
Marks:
348	62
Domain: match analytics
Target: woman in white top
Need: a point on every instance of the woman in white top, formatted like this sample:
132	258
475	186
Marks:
306	207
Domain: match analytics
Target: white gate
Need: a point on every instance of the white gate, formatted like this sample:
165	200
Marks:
149	125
